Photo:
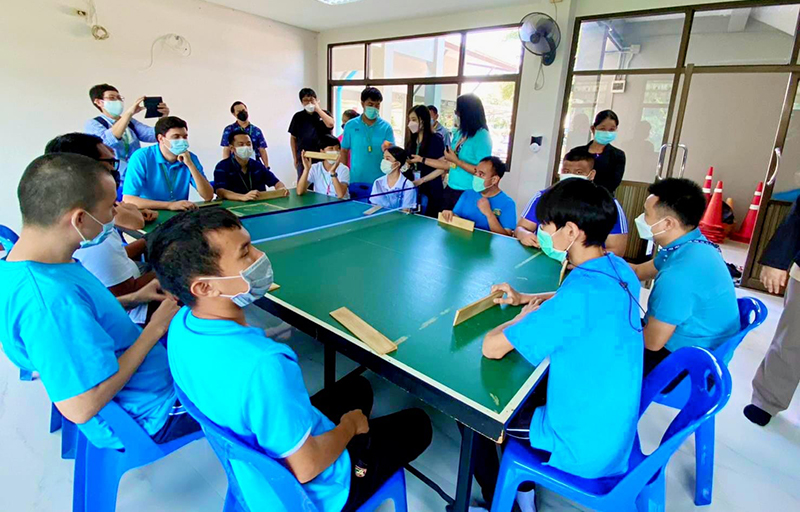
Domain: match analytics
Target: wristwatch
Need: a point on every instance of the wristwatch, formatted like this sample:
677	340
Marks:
334	175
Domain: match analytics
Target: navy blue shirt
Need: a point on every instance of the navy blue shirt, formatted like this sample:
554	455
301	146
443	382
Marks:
228	175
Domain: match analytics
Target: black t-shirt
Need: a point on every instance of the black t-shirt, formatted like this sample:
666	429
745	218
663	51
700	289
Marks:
609	167
434	151
308	128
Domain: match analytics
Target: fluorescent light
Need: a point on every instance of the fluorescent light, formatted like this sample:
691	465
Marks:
337	2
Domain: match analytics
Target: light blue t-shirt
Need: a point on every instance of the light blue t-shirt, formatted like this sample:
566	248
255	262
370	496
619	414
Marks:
125	146
589	422
59	320
365	165
151	176
471	151
247	383
502	205
693	291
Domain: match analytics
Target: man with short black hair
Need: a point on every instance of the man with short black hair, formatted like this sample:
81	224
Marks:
243	124
116	125
578	163
59	320
240	177
252	385
692	302
438	127
159	176
486	205
307	127
364	141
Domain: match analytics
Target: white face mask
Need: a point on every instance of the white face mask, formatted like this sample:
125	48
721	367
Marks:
646	230
456	121
309	107
413	126
244	152
386	167
566	176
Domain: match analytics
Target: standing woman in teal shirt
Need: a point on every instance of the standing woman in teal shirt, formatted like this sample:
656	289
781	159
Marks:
471	144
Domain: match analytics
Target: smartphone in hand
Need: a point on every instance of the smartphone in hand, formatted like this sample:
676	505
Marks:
151	104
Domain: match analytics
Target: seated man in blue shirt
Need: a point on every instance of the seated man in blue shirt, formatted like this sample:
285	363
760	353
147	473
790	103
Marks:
59	320
252	386
591	331
578	163
239	177
159	176
692	302
365	138
486	205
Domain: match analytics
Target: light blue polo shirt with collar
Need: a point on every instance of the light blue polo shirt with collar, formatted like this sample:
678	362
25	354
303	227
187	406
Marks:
364	143
693	291
151	176
251	385
589	331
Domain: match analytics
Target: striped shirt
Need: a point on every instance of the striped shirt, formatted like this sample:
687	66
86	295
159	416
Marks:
620	227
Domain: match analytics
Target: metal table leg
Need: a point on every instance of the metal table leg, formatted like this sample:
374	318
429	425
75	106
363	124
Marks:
466	467
330	365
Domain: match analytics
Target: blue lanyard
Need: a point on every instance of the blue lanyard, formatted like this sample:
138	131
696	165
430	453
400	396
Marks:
668	250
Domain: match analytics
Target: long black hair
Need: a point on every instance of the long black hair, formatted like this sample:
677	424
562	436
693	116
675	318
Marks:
472	117
401	156
425	126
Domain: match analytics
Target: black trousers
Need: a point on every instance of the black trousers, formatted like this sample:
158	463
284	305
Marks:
177	426
392	441
487	461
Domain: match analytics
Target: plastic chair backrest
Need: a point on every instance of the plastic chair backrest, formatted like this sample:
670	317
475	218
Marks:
710	389
7	237
752	313
230	447
137	443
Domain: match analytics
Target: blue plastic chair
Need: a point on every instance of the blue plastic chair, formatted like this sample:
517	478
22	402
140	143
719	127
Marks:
642	487
752	313
284	487
7	239
69	432
99	470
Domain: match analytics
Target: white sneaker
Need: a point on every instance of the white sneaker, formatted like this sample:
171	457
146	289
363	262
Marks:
527	501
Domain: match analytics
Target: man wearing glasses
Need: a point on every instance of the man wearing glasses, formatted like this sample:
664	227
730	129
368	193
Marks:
116	125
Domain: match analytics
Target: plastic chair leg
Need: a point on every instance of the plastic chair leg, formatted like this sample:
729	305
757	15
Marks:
25	375
69	435
231	505
505	492
704	462
79	478
102	479
55	418
653	496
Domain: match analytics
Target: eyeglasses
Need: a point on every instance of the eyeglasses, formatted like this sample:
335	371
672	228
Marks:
112	161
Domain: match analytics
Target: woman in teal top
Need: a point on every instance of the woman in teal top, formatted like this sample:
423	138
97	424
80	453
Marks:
471	144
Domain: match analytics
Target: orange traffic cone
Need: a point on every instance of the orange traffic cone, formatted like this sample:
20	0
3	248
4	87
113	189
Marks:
745	232
707	184
711	225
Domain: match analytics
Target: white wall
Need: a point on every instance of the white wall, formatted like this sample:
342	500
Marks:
538	111
50	60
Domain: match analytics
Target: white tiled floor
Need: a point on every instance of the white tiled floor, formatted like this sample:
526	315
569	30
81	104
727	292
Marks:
756	469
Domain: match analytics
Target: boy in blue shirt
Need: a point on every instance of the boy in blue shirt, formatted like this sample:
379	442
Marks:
252	386
578	163
591	331
59	320
365	138
486	205
693	301
159	176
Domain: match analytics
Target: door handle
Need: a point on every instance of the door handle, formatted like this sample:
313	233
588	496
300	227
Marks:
661	154
778	155
683	161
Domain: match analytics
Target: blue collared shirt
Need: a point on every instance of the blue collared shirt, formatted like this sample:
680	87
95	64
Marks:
620	227
151	176
502	205
59	320
364	143
251	385
693	291
255	133
587	329
134	135
228	175
444	132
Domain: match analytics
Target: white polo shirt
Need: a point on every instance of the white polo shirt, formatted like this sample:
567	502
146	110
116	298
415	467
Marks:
322	181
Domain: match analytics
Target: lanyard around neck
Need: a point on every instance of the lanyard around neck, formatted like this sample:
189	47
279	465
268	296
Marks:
170	183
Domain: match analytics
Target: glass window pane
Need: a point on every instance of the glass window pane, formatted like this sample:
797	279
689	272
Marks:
753	35
443	97
344	98
415	58
643	42
493	52
393	109
347	62
498	102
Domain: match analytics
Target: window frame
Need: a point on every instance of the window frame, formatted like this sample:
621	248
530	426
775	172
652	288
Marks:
413	82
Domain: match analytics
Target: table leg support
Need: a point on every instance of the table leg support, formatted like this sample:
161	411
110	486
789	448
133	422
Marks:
466	468
330	366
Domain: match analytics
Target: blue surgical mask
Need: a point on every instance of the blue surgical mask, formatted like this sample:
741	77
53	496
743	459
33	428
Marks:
114	107
478	184
372	113
108	228
178	146
603	137
546	243
259	278
646	230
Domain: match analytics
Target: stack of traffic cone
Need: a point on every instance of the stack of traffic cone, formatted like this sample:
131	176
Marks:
711	225
707	184
745	232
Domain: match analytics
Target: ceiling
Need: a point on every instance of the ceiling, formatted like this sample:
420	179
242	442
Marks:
316	16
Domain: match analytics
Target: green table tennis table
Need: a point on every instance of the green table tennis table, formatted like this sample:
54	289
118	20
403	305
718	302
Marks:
406	275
